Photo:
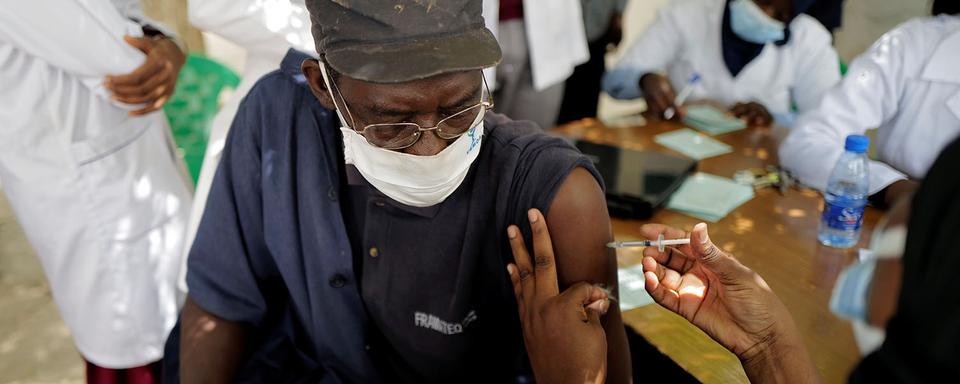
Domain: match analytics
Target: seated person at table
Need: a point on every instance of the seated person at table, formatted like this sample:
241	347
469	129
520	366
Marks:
356	228
907	86
902	302
760	57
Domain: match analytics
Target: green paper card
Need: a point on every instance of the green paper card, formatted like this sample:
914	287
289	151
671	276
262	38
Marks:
711	120
709	197
692	144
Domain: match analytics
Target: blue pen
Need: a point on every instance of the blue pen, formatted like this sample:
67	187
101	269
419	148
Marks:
682	96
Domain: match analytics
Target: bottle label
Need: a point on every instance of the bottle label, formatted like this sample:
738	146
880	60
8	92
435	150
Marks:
843	218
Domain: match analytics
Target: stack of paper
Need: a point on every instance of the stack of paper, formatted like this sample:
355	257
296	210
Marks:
633	293
709	197
712	120
691	144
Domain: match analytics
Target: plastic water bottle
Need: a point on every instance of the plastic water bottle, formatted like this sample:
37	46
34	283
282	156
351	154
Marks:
846	196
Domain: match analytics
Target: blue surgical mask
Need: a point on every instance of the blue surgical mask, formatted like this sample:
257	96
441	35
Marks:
850	300
753	24
850	294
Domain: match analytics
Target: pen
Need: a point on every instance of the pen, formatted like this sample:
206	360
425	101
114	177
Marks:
682	96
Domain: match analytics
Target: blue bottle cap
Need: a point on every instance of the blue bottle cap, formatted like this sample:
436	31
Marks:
857	143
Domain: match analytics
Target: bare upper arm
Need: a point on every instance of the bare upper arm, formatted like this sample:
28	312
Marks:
580	229
211	348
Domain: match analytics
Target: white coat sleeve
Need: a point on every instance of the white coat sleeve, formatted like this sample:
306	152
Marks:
260	27
818	69
133	10
866	98
653	51
81	37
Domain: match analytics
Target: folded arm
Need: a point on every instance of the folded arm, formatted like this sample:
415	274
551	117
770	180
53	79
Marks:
867	98
83	38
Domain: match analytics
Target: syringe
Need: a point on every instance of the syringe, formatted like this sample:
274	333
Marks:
660	243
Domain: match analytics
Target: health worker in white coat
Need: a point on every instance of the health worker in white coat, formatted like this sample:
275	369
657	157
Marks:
96	184
907	86
266	30
758	57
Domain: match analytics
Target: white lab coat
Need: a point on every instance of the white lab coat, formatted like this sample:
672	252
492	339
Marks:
685	39
555	38
907	86
266	29
99	194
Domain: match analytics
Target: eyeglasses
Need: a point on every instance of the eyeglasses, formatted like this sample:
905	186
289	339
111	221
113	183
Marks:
402	135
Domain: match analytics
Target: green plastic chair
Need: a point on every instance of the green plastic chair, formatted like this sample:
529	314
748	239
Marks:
193	105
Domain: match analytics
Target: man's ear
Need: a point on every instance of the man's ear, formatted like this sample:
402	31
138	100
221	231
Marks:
311	70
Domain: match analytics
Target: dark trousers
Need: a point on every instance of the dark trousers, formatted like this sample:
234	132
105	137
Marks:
147	374
582	91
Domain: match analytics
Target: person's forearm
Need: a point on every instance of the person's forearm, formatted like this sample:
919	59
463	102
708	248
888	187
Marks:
95	32
784	360
618	351
894	192
211	348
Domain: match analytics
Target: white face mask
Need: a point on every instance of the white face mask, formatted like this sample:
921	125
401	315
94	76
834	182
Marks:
419	181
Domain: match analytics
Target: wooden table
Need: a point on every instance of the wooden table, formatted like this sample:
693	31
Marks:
773	234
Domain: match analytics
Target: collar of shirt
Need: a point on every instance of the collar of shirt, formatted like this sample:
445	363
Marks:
942	65
291	65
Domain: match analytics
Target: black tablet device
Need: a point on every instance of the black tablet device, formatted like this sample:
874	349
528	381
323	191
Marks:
637	182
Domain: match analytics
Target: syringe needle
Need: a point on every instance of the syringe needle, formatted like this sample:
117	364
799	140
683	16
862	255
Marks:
659	243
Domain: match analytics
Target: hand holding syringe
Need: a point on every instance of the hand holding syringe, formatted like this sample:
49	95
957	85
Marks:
660	243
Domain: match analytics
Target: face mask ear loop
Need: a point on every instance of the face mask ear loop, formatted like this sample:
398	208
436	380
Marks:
330	87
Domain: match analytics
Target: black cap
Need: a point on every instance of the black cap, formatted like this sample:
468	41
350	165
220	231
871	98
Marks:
402	40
